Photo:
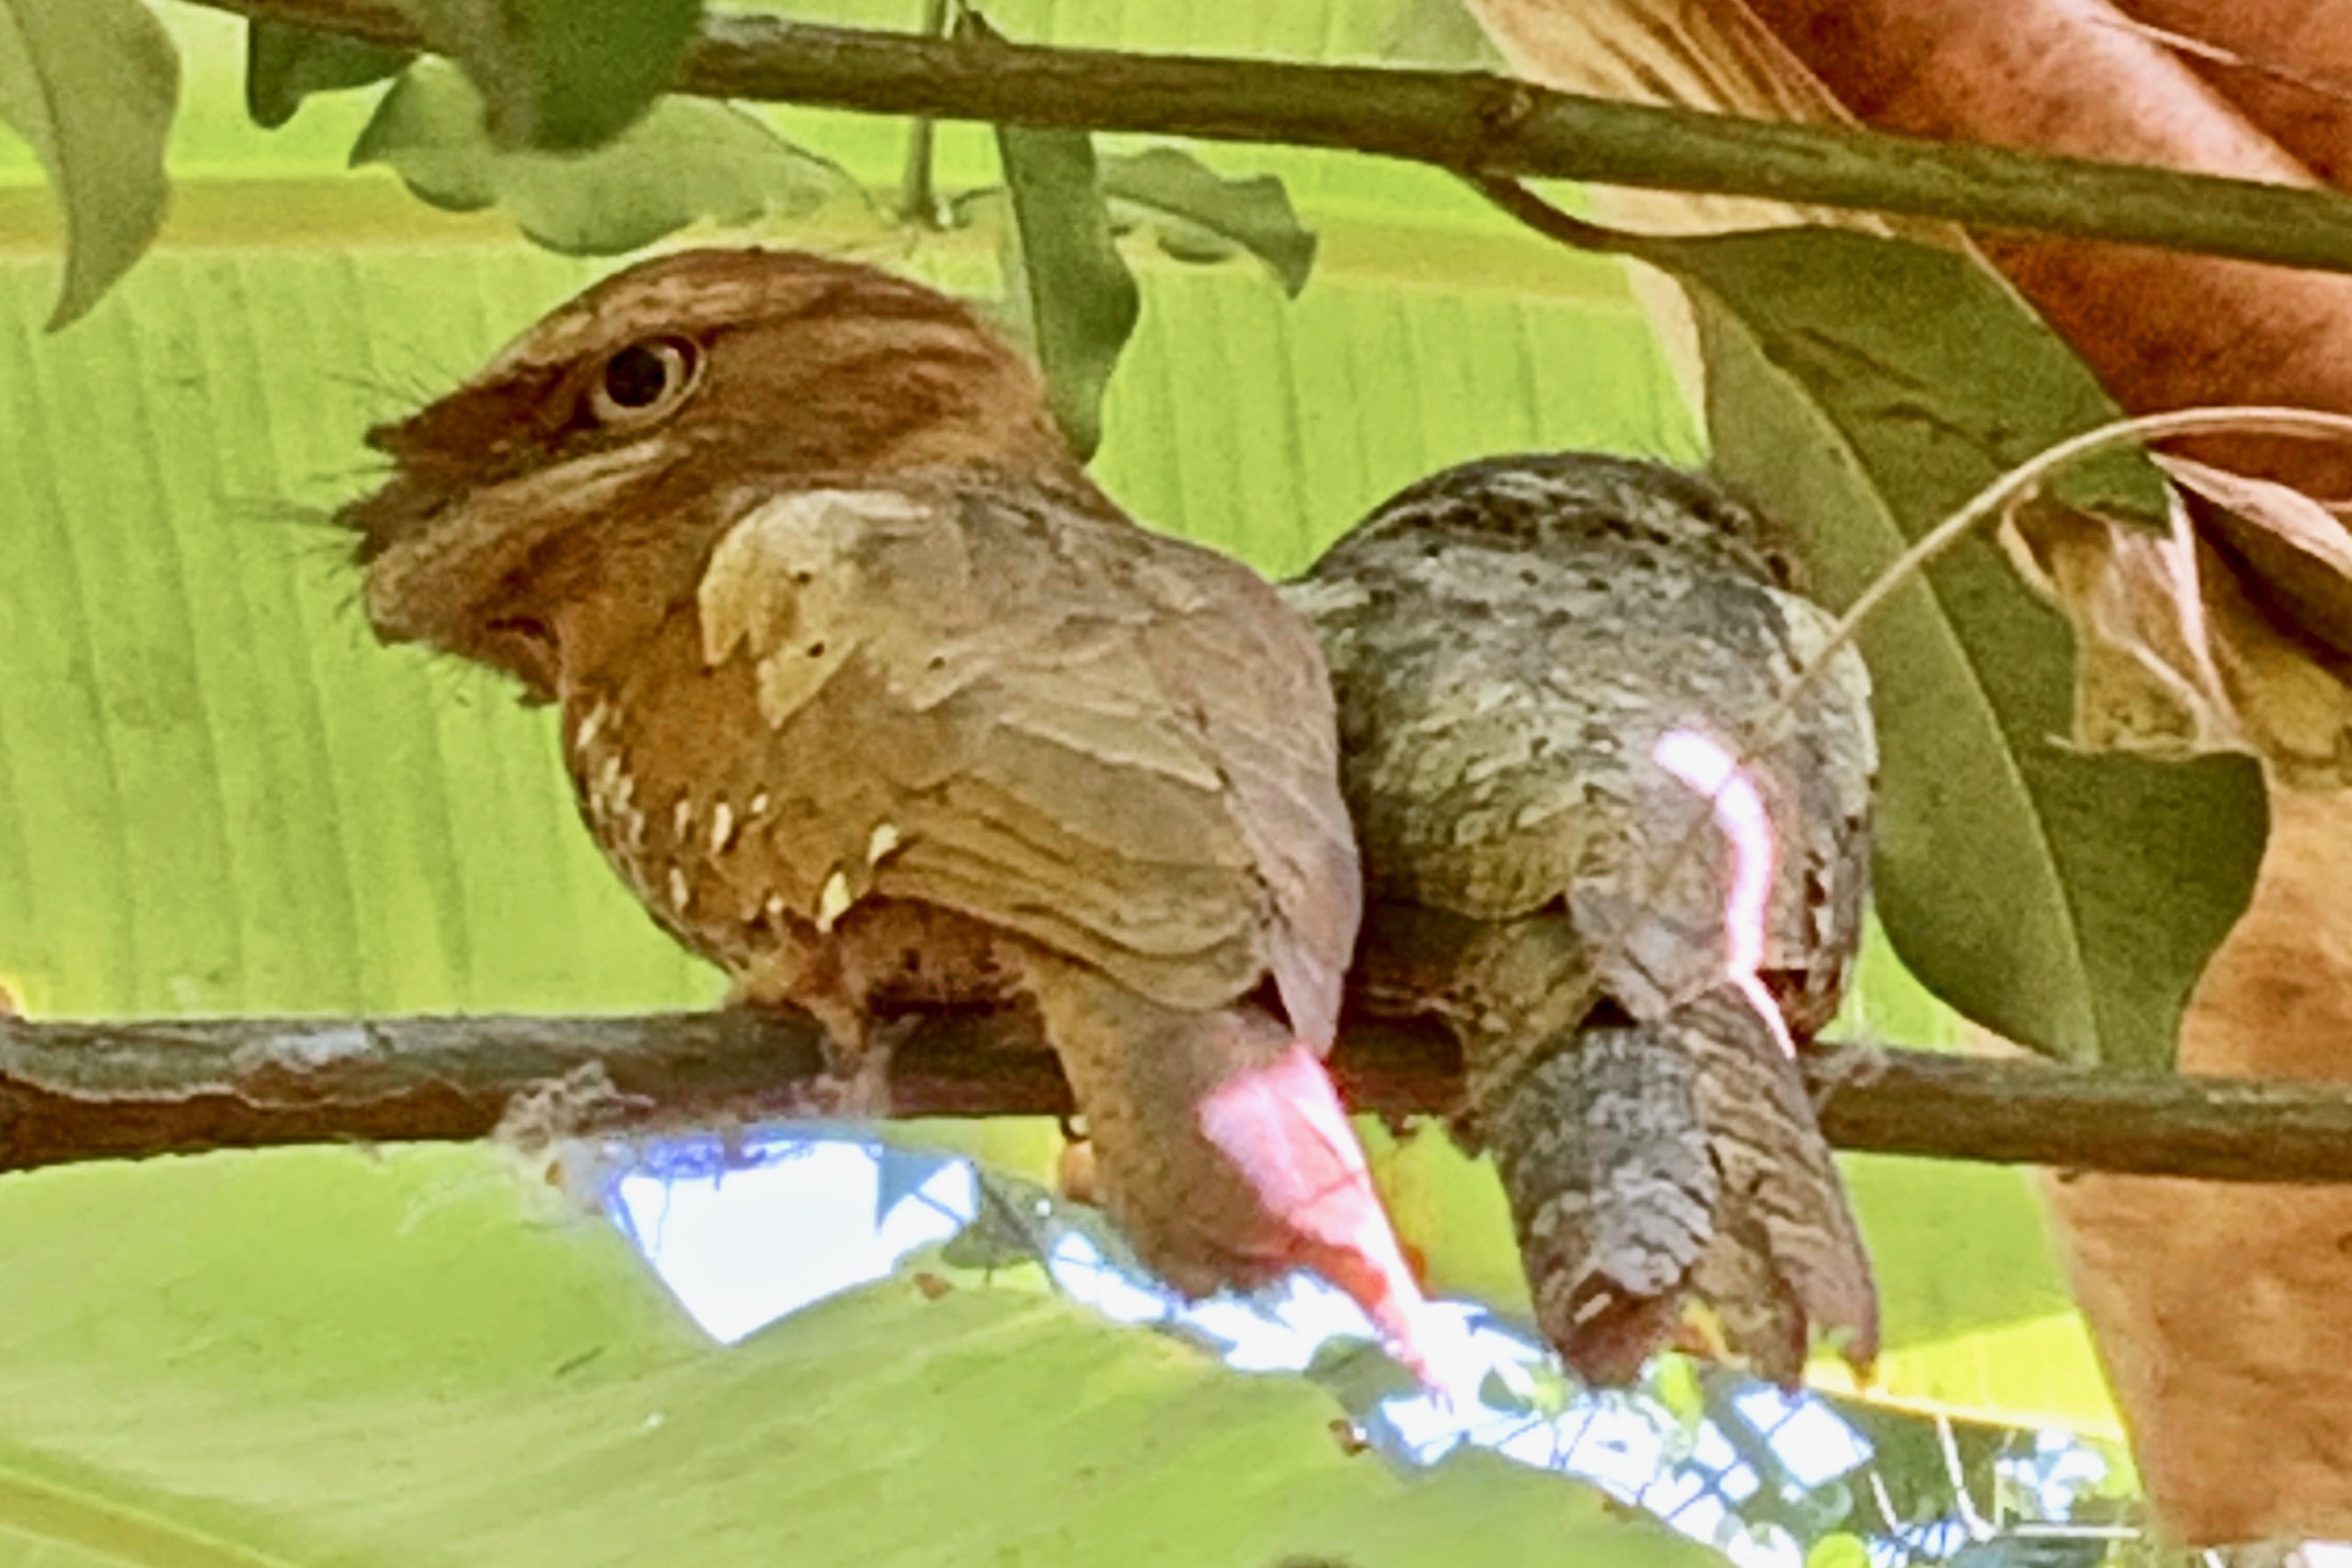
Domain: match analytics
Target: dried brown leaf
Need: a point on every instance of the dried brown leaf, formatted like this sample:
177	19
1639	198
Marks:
2293	549
2285	64
1693	54
1690	54
2143	680
2182	649
2061	75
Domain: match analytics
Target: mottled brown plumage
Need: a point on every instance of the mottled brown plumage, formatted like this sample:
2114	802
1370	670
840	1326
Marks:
875	699
1510	641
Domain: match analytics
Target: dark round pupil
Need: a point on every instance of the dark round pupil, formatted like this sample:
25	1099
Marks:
636	377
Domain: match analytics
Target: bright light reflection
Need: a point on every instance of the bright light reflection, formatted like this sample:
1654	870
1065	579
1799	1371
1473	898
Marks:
746	1235
740	1248
1078	1265
1808	1437
2059	1471
1773	1547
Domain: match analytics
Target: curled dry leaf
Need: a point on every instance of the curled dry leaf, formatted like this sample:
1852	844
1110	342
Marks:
2293	549
1713	54
1691	54
2286	65
2224	633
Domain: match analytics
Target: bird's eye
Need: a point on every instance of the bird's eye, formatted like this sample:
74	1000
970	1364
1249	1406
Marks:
645	381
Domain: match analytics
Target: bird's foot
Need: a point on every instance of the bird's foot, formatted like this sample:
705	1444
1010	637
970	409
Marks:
855	1085
1074	1173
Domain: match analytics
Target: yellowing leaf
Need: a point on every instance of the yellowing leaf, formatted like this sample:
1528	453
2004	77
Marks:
2217	636
92	84
1838	1550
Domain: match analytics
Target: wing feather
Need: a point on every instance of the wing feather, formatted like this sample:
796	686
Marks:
1114	743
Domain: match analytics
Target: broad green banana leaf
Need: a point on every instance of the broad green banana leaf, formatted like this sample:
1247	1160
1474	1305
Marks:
330	1357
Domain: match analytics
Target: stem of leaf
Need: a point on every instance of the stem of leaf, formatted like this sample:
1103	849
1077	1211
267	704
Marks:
1998	499
2028	478
918	197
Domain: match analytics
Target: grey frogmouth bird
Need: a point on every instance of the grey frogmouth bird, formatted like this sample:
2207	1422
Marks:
1629	905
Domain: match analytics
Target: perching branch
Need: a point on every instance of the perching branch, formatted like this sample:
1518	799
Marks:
72	1091
1475	123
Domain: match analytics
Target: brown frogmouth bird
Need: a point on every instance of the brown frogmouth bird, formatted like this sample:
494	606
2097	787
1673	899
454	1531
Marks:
1605	849
876	701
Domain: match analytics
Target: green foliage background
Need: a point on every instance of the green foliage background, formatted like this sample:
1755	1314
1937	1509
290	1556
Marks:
216	794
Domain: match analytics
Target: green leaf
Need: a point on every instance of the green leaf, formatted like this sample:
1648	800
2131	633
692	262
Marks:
1359	1373
284	64
1862	389
1068	282
1254	213
1838	1550
691	159
92	84
562	75
1441	33
415	1360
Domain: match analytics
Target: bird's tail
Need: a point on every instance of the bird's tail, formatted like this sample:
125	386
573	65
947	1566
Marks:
1647	1163
1222	1150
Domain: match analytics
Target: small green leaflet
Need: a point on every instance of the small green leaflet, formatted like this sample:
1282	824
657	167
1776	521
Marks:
1066	277
561	75
688	160
284	64
1204	216
92	84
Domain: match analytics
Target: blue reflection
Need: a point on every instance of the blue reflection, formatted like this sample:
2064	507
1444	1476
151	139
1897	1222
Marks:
747	1231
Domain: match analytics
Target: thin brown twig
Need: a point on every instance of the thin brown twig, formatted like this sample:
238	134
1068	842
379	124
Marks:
1467	121
76	1091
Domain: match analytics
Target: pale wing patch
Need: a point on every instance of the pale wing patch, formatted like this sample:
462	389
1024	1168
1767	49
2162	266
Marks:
834	902
786	583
